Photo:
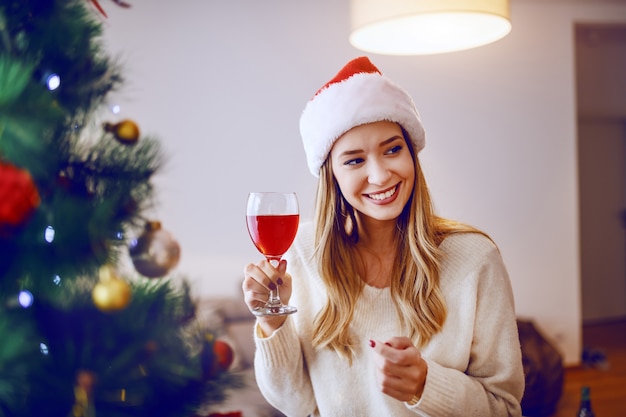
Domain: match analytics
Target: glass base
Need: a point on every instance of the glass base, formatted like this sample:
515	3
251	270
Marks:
277	310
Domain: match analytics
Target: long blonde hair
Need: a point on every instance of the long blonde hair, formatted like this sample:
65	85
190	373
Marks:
415	276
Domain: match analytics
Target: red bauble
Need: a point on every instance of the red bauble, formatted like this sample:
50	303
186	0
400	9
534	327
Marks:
224	355
18	196
217	356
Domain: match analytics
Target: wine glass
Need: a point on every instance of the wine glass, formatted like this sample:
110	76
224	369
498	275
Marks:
272	219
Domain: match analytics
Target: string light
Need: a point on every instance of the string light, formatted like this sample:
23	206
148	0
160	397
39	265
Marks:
52	80
48	234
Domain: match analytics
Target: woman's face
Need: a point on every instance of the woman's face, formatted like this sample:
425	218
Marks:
374	169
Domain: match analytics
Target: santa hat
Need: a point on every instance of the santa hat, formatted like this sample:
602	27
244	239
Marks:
357	95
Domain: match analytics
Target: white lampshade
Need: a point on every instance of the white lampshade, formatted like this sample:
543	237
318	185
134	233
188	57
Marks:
419	27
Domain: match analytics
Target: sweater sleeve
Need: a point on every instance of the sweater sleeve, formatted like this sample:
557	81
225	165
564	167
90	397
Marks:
281	373
493	382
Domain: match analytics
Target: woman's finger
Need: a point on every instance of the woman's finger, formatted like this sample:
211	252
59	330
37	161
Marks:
259	273
400	369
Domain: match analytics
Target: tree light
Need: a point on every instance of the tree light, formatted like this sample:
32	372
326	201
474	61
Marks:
25	298
52	80
48	235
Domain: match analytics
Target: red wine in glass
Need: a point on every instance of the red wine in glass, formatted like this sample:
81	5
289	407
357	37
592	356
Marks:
272	219
273	234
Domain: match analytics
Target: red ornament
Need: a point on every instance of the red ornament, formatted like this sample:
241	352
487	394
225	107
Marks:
228	414
217	356
224	355
18	196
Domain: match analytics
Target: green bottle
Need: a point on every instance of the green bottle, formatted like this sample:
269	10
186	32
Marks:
585	403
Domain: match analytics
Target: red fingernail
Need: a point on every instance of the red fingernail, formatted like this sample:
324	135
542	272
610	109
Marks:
388	344
279	281
372	343
272	286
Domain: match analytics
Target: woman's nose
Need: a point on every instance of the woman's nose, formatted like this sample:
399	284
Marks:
378	173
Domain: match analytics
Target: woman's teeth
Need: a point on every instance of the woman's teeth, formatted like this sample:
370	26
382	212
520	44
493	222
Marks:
382	196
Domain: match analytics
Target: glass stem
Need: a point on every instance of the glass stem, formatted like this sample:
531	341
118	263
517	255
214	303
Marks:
274	299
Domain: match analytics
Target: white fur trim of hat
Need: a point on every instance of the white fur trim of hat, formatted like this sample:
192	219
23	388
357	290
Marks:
357	95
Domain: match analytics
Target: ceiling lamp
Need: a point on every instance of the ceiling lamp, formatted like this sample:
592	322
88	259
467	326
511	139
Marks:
420	27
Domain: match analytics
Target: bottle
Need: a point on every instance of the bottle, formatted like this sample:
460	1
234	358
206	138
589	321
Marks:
585	403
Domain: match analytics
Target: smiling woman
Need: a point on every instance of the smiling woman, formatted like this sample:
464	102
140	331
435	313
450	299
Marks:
412	309
373	166
236	81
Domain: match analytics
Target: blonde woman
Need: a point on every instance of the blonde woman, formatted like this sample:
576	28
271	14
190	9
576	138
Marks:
400	312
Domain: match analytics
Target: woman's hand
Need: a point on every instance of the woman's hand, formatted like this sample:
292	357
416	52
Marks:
400	369
258	280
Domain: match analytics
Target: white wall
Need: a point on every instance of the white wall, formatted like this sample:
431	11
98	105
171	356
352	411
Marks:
222	84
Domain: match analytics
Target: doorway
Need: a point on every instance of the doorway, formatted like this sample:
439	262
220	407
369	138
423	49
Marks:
601	105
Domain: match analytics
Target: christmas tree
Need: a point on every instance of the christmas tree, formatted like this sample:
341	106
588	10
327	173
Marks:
77	336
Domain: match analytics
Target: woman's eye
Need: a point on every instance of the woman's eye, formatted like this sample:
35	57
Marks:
353	161
395	149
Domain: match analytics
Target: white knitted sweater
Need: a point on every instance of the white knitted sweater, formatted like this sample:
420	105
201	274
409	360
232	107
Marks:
474	363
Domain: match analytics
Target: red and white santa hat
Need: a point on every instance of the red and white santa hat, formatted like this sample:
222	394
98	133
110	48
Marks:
357	95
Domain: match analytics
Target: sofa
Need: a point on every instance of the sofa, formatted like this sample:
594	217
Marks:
233	323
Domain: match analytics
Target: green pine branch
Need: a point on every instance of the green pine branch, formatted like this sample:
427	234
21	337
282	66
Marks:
149	358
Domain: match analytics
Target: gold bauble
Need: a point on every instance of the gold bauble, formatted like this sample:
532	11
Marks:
111	293
155	252
126	131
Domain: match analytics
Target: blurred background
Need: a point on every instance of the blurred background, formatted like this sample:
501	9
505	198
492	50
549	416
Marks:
524	137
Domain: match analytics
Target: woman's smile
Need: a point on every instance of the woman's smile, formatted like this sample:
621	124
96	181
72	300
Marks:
385	197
